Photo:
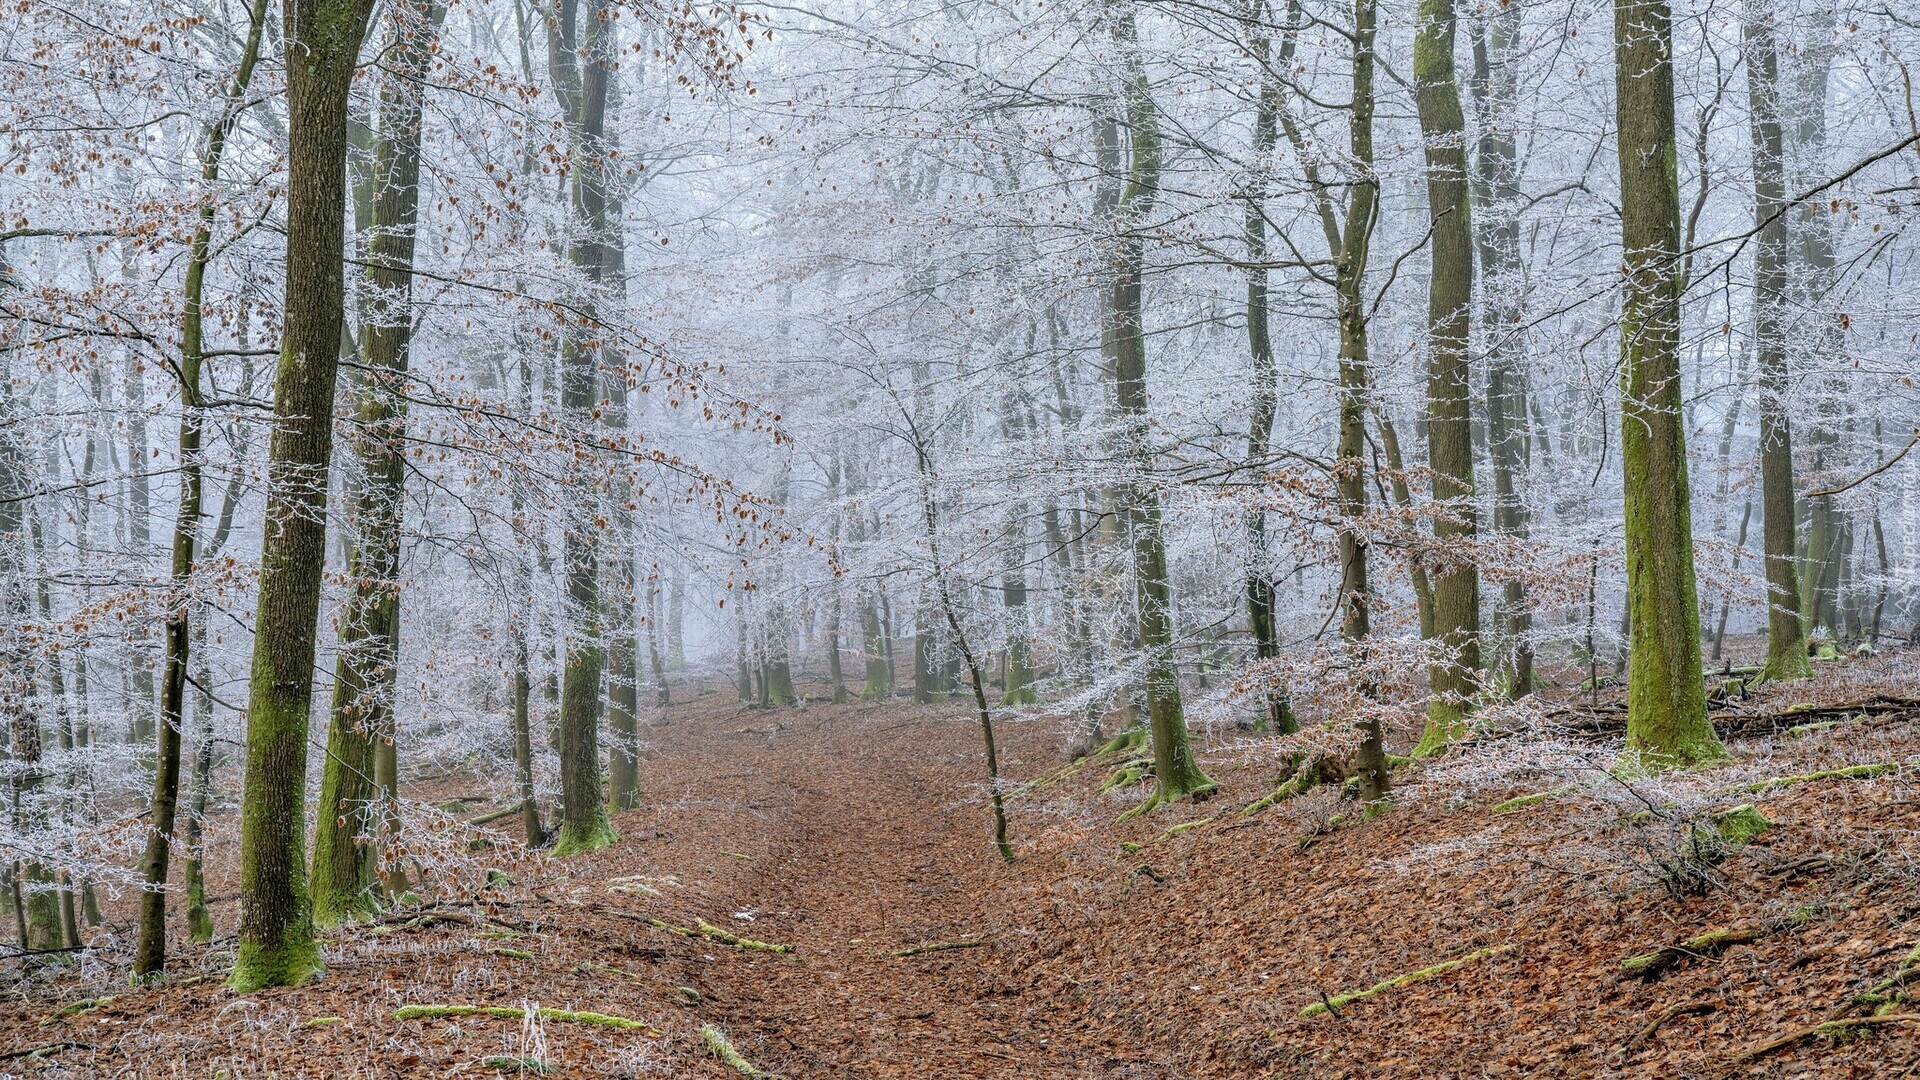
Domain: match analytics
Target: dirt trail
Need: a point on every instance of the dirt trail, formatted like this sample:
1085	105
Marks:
865	837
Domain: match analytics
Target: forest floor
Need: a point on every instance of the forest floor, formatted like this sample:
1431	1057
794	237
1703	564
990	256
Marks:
1141	949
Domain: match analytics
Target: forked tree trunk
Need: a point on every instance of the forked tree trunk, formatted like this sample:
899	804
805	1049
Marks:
1666	699
579	40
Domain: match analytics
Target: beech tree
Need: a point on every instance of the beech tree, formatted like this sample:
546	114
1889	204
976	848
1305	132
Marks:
321	47
1666	697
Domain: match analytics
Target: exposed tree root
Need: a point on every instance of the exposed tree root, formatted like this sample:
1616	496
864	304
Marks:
716	1041
937	946
1828	1029
496	815
510	1012
1183	827
1305	777
1652	965
1340	1001
1677	1009
1851	772
1127	775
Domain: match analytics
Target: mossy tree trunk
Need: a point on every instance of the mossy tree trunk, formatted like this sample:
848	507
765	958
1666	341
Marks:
1176	773
322	42
1666	702
1455	674
150	948
1786	634
579	43
356	791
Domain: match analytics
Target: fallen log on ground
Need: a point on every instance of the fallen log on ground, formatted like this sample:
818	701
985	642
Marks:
717	1041
1652	965
1334	1004
937	946
512	1012
1830	1029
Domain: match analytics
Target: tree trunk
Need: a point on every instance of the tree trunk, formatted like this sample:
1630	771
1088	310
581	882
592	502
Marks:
150	949
1455	675
579	43
276	927
1176	773
1259	570
1786	635
1497	200
357	797
1666	703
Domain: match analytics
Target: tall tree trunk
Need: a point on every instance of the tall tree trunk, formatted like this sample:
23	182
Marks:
1497	200
356	793
1259	585
1666	700
140	541
1822	395
323	40
150	948
579	43
1176	773
1786	635
1355	243
1455	675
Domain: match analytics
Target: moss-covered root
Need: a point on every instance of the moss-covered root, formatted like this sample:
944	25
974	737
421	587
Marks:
1652	965
1851	772
704	929
716	1041
1127	775
1304	779
1739	826
1340	1001
936	946
510	1012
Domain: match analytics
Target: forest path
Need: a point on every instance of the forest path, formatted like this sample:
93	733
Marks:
866	832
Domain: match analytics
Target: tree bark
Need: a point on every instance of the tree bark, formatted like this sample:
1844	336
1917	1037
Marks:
579	40
323	40
1786	635
1666	703
1455	674
357	800
1176	773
